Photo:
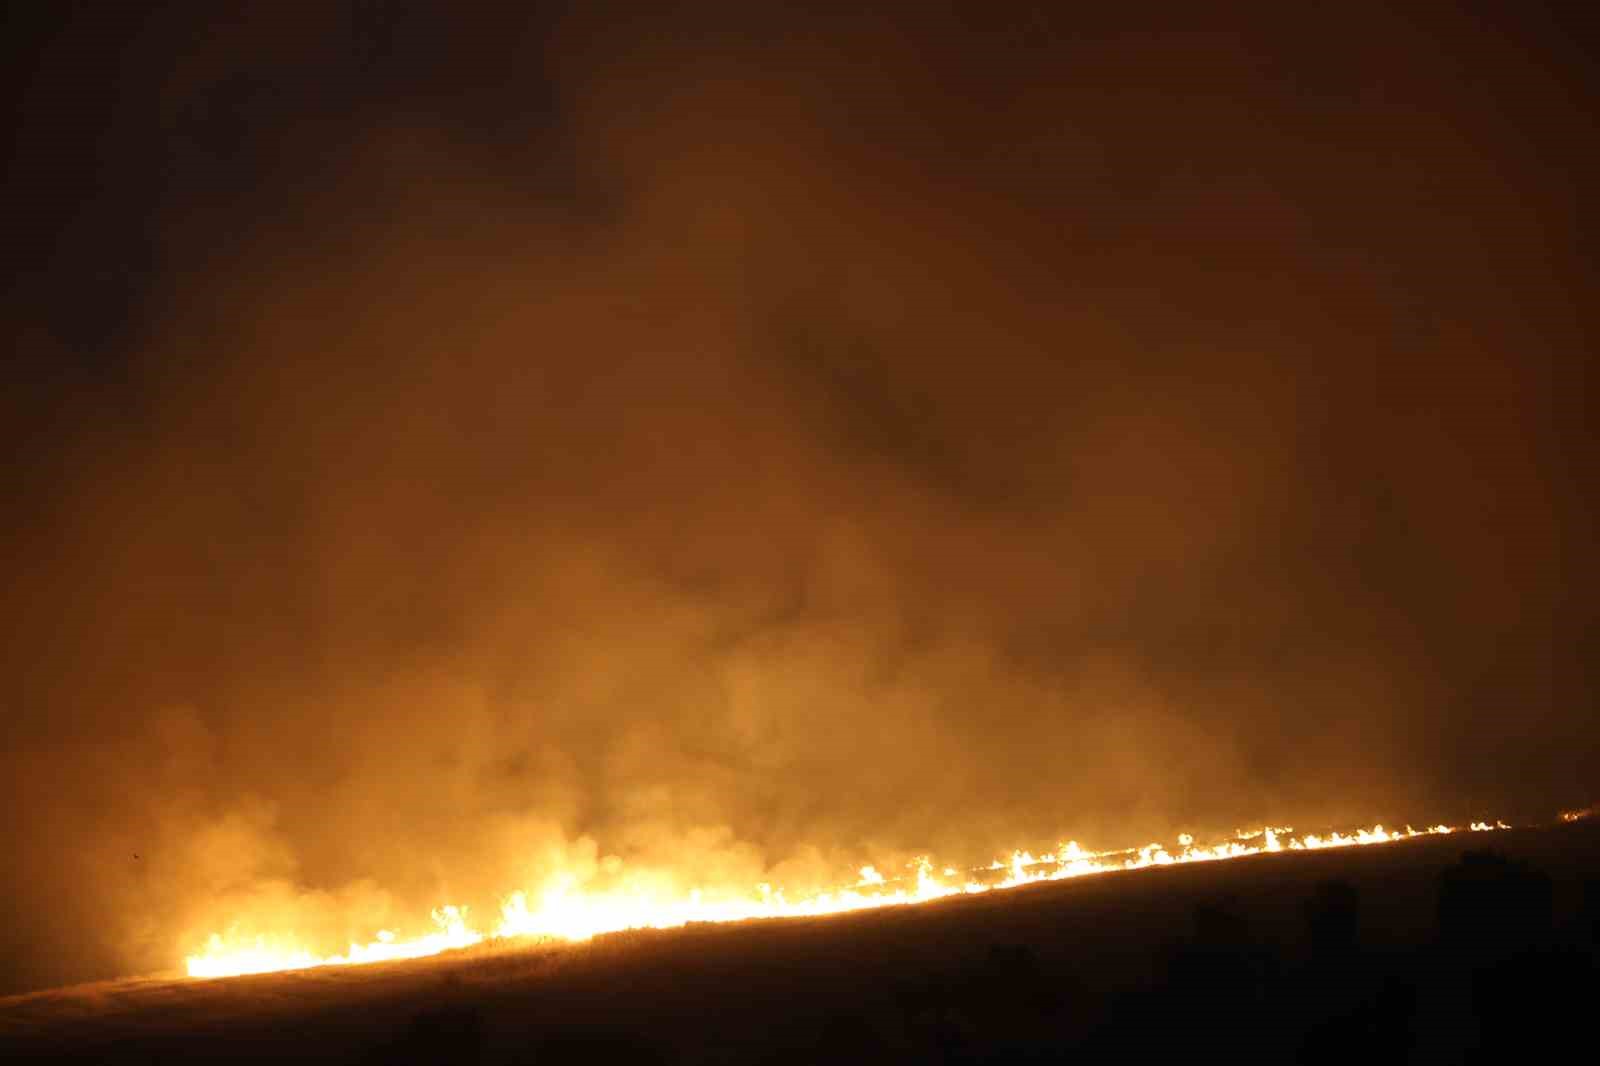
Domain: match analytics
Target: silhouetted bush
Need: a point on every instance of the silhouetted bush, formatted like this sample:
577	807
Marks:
1589	916
1332	921
447	1034
1332	1001
1491	907
848	1038
1496	924
1216	974
1010	981
586	1045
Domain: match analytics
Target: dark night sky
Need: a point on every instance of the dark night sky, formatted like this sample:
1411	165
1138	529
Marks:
443	446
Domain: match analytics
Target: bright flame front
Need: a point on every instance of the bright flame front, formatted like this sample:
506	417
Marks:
222	959
564	910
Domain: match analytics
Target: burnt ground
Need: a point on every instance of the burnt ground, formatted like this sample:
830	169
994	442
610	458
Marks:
1467	948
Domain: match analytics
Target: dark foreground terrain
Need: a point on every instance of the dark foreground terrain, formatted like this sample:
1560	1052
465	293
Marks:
1468	948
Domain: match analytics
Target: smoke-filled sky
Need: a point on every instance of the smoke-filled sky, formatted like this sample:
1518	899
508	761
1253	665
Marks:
750	440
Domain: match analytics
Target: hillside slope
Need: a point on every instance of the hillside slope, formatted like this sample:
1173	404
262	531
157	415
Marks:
1428	950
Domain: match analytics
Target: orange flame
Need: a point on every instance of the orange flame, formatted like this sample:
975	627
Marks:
562	909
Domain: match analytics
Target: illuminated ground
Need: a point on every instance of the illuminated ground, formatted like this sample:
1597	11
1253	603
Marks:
1214	953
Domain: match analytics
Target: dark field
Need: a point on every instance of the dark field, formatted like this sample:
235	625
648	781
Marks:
1448	949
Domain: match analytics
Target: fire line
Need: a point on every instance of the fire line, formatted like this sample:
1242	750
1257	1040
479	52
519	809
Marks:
563	910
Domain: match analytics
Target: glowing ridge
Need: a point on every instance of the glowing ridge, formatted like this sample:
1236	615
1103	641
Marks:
563	910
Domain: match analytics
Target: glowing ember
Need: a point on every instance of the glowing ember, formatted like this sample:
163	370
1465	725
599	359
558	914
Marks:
566	911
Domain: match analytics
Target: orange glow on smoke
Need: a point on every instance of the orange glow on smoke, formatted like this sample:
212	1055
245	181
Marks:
564	910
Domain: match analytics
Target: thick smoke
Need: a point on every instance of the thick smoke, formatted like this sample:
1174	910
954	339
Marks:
751	449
